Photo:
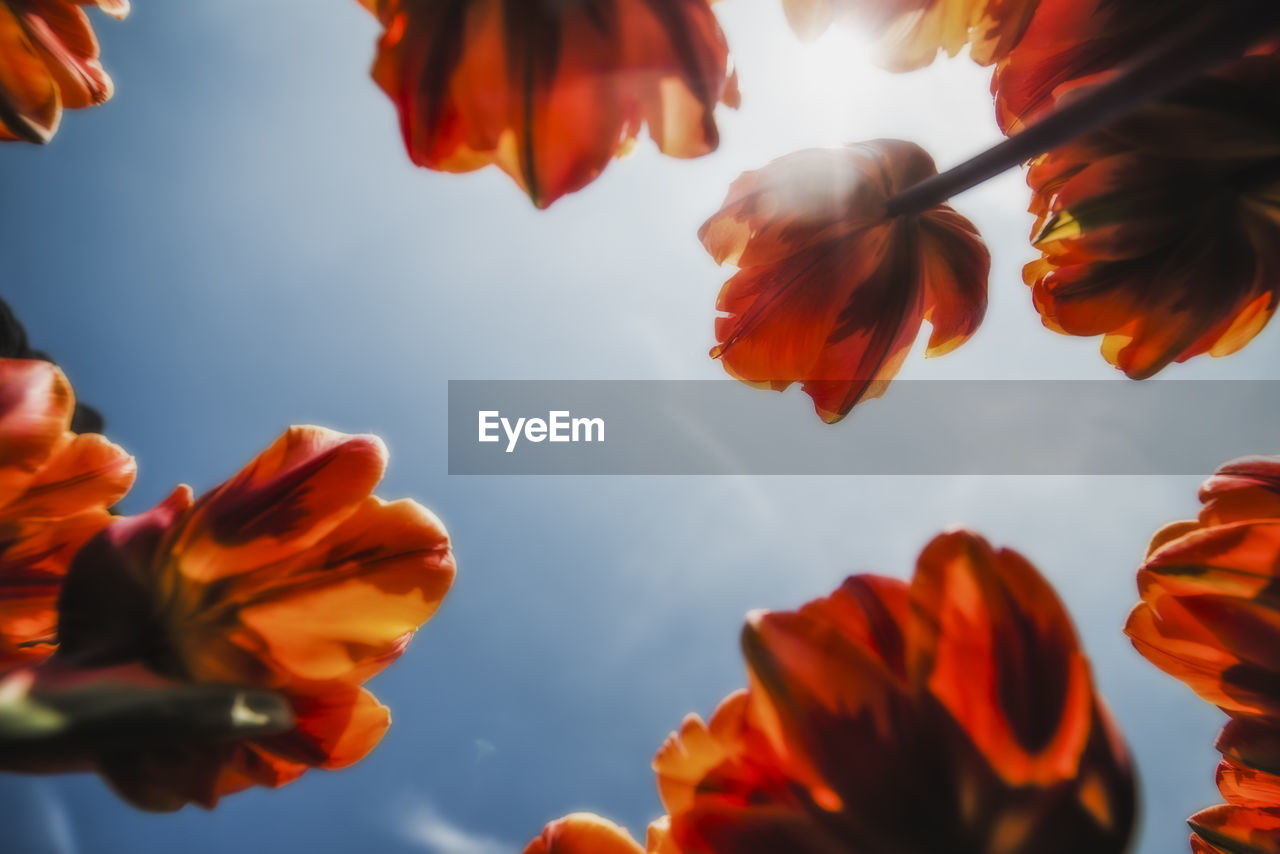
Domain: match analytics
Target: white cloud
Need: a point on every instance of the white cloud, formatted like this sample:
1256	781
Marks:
61	834
425	825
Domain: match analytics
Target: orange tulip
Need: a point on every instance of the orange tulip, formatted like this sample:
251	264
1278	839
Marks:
290	577
954	713
911	32
548	91
832	291
55	488
1162	233
48	61
583	833
1208	616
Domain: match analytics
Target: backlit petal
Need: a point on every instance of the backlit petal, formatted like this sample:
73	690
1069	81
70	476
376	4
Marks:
583	833
832	292
551	93
285	501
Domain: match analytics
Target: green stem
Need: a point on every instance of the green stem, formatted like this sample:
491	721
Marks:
1232	28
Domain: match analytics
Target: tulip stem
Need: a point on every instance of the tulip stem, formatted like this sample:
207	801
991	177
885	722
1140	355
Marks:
1202	45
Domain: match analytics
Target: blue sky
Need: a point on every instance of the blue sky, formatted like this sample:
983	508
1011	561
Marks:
237	243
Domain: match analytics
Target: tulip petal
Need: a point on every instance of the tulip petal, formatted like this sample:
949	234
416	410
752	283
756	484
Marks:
551	93
583	833
353	601
997	630
1236	830
1248	488
64	38
30	107
285	501
35	410
290	578
85	470
34	558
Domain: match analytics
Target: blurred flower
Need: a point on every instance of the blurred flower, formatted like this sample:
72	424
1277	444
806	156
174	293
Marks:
48	61
55	488
954	713
583	833
832	291
551	91
290	577
1209	616
909	33
14	345
1162	233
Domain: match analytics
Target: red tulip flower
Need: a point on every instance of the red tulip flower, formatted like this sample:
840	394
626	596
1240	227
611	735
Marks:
550	92
1209	617
952	713
832	290
1162	233
291	578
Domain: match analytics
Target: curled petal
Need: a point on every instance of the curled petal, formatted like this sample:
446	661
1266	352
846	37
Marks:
285	501
583	833
336	728
118	9
1208	615
350	604
85	470
1248	488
